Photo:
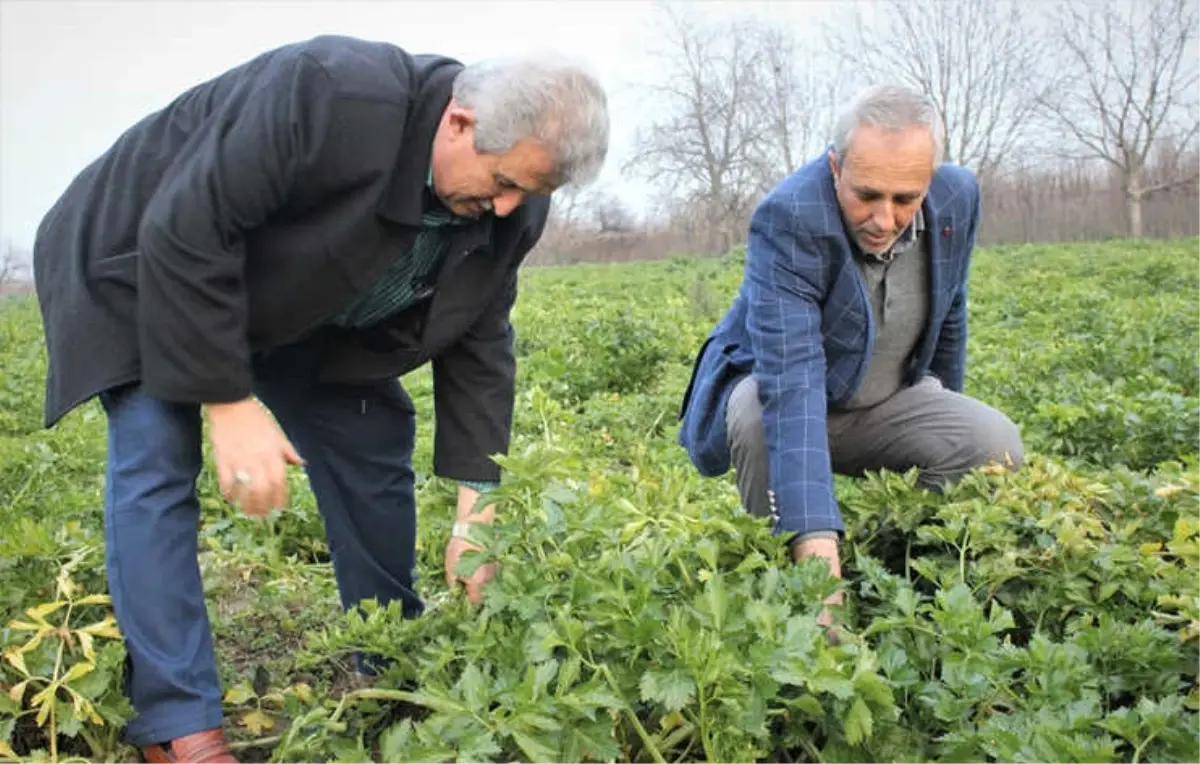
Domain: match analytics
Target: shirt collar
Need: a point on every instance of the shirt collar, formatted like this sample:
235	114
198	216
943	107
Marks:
435	210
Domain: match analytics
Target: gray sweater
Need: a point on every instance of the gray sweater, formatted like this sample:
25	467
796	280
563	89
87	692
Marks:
898	290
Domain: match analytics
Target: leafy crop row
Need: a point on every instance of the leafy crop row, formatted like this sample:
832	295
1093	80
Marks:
1048	615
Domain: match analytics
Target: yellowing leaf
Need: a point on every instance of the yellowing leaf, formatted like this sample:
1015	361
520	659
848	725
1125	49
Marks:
88	711
1193	699
44	704
79	670
77	702
87	642
34	641
672	720
6	752
40	612
18	660
302	691
65	585
27	626
106	628
94	599
239	693
18	691
1150	547
631	530
256	721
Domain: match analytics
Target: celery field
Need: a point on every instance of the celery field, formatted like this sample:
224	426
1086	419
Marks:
1048	615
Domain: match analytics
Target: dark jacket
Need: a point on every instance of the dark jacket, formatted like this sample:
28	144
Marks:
254	207
802	325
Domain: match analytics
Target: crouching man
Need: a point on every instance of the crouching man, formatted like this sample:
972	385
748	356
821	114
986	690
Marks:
845	348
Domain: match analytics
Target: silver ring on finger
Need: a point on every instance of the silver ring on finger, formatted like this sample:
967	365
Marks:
241	477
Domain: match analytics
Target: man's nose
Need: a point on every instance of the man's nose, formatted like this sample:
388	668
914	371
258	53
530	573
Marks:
507	201
884	217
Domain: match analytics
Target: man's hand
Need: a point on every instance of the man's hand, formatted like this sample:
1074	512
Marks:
827	548
251	455
455	548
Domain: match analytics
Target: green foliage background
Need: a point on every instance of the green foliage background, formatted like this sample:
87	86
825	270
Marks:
1050	615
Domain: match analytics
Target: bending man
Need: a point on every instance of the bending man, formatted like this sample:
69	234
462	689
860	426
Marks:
288	239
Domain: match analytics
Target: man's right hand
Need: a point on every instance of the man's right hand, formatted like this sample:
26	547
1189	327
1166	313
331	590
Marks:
251	455
827	549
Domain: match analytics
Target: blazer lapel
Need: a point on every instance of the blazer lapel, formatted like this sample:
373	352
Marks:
939	237
937	223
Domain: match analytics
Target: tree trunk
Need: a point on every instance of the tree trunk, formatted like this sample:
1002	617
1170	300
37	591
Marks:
1135	214
1135	195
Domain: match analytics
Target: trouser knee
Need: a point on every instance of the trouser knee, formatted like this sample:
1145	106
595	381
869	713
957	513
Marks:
1001	444
994	441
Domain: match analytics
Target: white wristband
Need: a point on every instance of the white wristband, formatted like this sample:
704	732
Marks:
461	530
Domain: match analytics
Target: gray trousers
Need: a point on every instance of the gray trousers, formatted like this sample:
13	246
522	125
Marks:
940	432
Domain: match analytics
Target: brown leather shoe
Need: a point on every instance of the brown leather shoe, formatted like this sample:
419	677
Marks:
207	747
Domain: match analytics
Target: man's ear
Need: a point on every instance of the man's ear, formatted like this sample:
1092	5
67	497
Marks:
460	119
833	166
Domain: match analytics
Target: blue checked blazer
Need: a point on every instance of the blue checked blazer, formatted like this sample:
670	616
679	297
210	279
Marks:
802	325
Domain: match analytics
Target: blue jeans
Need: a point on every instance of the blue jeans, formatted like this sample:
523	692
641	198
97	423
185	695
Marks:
357	443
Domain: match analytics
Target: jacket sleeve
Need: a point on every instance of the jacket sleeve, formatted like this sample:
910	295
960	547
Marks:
783	273
241	165
950	356
474	384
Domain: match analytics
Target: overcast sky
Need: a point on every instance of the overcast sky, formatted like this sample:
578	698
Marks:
75	74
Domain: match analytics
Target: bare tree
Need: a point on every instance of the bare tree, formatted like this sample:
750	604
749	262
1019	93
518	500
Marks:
14	267
976	59
704	142
568	204
7	265
564	226
1133	77
609	213
797	99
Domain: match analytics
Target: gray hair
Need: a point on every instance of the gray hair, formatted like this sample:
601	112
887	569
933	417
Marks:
544	98
891	107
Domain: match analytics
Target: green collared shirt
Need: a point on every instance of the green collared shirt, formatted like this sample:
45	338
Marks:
411	276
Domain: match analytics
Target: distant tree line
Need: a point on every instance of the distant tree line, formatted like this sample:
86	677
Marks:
1080	118
14	270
